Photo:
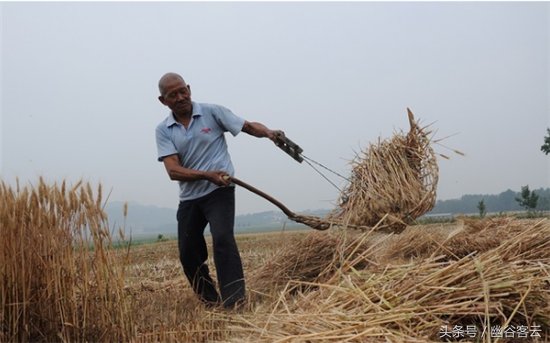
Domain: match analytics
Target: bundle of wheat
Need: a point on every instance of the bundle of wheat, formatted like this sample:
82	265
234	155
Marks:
301	260
59	279
313	258
396	178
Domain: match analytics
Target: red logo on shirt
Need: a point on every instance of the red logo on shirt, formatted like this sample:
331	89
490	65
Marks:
206	130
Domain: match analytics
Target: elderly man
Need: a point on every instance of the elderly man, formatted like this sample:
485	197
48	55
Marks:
192	146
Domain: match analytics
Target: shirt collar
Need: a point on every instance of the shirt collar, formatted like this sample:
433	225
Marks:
197	111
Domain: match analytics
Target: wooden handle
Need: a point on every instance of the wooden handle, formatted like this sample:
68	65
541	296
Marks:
268	197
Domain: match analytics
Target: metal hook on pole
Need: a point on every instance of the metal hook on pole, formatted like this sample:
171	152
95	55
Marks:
296	152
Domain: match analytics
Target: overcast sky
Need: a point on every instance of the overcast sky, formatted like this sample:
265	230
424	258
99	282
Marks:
79	90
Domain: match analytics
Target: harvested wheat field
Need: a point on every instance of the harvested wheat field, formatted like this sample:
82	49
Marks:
473	280
457	281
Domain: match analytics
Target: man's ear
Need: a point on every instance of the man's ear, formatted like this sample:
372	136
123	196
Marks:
161	99
189	87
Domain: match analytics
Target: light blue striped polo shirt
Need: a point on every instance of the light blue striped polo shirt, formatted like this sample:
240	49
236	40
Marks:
201	146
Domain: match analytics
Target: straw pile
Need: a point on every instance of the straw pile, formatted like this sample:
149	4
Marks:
394	178
314	258
392	183
302	260
498	285
59	280
471	236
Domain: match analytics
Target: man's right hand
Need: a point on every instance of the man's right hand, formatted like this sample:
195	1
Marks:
218	177
177	172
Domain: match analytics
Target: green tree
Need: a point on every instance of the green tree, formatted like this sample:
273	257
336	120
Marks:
544	204
482	209
528	199
546	146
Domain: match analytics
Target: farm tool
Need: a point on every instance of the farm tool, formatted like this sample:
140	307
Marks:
311	221
296	152
288	146
392	183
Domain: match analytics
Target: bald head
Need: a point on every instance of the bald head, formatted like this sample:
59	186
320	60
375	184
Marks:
167	78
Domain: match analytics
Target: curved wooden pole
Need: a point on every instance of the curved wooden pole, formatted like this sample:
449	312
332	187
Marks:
268	197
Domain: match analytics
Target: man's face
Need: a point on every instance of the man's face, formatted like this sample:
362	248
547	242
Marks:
177	96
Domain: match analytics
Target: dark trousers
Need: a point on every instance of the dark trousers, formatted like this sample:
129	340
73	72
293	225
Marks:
218	209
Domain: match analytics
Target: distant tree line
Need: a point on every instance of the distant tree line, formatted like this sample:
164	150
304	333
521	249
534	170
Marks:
503	202
545	148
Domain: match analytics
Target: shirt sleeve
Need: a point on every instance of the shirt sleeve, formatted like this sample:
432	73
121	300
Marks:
165	146
228	120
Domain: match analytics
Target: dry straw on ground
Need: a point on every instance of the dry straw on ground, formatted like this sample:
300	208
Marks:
303	260
372	298
314	258
59	278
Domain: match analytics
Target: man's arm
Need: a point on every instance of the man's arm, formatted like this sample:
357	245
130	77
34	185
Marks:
260	130
178	173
